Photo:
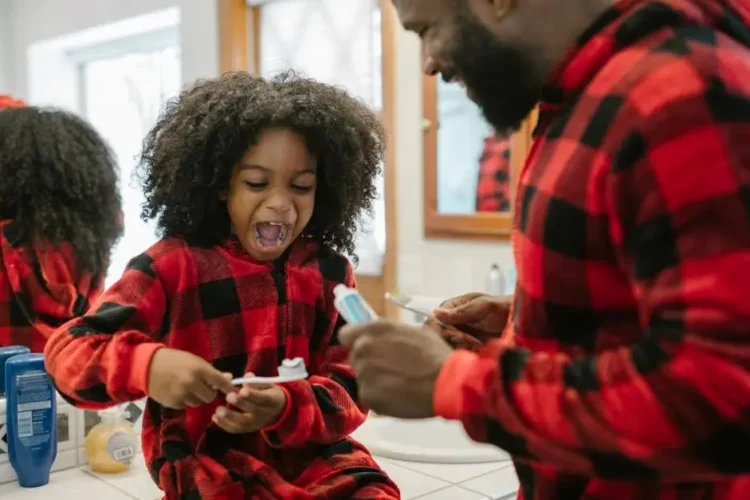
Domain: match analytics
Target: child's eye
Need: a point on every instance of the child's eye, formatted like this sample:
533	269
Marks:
302	189
256	185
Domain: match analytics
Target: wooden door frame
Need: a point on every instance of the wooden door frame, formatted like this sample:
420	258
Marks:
239	50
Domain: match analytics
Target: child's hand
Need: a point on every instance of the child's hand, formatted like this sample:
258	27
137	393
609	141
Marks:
177	379
258	407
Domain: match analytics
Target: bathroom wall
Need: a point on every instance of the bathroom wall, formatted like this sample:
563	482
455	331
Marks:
6	50
435	268
427	267
24	22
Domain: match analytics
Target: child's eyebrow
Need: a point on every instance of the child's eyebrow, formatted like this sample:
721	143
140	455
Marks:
253	166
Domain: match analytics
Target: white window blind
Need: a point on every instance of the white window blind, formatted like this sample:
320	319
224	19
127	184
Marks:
337	42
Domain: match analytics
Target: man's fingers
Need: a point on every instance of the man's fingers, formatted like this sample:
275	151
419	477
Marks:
459	301
350	333
466	313
361	349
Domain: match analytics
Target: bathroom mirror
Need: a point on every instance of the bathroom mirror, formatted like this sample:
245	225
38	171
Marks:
470	171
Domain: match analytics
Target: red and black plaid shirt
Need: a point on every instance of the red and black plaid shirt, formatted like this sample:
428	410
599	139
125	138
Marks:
493	185
242	316
40	289
625	371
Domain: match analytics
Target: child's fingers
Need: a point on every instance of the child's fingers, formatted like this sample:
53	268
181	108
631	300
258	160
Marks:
235	399
260	387
250	400
203	392
192	401
232	421
256	397
216	379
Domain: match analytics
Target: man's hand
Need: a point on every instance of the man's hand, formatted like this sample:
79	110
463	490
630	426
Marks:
481	316
257	407
456	338
178	379
397	366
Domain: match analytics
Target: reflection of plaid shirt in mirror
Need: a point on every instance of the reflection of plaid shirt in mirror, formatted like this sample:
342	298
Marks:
493	186
7	101
40	288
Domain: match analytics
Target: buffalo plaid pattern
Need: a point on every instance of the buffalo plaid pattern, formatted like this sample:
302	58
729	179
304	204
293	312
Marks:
39	289
493	185
7	101
243	316
625	370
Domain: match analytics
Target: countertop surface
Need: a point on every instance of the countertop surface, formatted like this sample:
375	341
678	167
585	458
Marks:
489	481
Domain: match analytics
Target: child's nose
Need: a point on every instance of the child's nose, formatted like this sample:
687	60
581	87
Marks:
279	203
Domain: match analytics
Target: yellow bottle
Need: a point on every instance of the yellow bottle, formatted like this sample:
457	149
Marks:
111	445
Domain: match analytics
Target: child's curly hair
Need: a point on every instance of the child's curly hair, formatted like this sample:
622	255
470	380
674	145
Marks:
189	156
59	183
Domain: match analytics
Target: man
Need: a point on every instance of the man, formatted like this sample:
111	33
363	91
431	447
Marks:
625	371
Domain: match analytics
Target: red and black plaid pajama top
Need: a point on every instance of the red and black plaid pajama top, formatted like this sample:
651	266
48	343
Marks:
242	316
625	370
40	289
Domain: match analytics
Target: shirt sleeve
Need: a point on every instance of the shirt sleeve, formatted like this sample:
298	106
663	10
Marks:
86	356
324	408
63	292
676	403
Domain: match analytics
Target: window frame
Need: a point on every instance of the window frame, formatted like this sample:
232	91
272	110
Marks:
239	49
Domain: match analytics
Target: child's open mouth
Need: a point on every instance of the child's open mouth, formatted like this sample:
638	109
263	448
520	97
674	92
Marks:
270	234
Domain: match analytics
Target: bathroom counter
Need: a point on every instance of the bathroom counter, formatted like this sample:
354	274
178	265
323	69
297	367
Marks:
80	482
422	480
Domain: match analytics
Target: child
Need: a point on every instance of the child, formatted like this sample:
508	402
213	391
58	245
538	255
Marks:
59	219
255	185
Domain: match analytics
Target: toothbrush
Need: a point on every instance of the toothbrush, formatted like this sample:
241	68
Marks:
290	370
402	300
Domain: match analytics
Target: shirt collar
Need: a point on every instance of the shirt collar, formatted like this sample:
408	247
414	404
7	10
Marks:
622	25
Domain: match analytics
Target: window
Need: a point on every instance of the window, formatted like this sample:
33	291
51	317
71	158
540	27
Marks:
122	95
337	42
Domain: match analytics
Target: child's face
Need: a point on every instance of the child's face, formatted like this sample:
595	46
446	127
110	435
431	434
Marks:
272	193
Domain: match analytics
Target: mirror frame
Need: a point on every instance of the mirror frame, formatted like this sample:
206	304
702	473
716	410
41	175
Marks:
480	225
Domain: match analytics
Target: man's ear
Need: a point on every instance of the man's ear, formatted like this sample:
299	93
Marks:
493	11
502	8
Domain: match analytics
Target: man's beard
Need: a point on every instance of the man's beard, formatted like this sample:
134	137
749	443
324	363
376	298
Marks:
501	78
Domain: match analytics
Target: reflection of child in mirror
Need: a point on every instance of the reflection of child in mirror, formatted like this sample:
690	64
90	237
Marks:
60	216
493	186
257	185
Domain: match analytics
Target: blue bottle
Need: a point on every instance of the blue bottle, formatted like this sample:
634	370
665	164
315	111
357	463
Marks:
5	354
31	410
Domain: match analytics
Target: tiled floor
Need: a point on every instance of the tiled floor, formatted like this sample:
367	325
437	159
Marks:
417	481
